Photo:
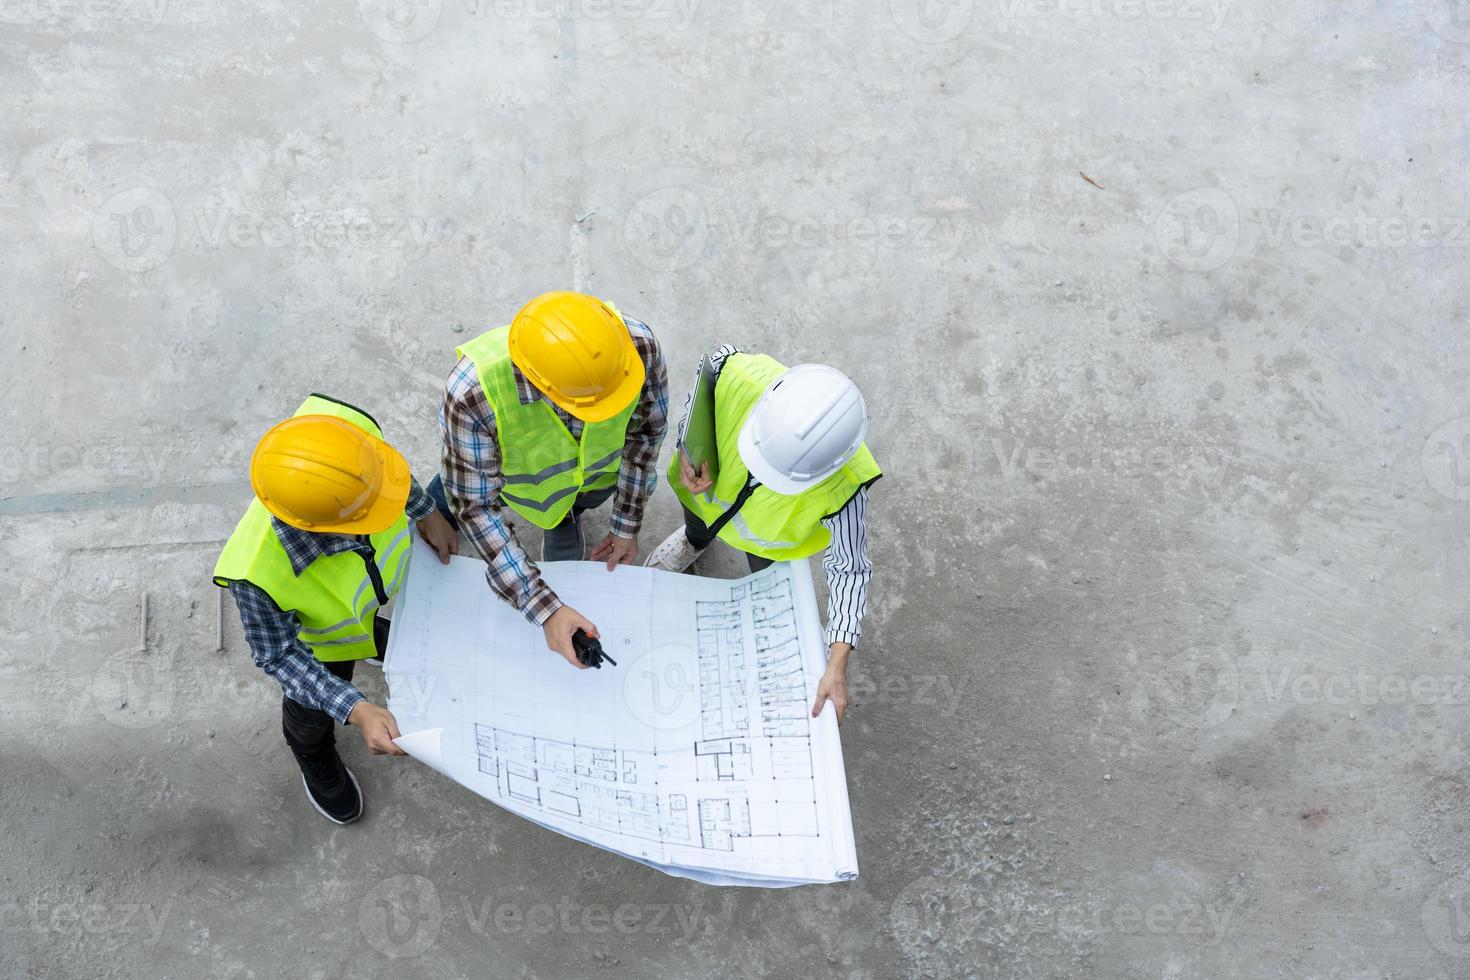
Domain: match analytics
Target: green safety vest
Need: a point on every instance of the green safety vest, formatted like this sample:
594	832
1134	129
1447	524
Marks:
333	597
778	526
544	468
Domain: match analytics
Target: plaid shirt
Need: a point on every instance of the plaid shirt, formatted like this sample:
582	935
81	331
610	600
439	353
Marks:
272	632
472	477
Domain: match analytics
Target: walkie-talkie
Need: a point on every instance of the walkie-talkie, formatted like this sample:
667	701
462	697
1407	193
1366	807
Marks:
589	650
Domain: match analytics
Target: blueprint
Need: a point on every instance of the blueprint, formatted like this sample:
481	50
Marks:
696	754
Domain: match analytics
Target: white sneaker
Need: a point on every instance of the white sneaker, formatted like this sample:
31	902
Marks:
675	554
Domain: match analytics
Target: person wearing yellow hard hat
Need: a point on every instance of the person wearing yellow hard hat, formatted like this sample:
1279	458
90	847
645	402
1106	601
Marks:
321	548
545	419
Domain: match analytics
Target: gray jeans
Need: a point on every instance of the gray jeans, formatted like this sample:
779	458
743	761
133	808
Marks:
564	542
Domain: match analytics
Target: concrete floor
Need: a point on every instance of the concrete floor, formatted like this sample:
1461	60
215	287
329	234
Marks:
1160	308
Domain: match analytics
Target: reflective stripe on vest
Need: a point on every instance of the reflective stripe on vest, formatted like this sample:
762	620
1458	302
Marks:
543	467
333	597
773	525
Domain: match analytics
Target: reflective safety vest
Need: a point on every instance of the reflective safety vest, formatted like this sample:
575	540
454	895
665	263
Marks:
544	468
336	596
774	525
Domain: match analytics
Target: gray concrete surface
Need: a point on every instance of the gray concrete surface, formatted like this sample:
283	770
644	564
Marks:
1160	306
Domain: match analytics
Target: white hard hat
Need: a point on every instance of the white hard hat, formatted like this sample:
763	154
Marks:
808	423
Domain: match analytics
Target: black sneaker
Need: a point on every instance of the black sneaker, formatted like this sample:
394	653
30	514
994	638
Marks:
331	786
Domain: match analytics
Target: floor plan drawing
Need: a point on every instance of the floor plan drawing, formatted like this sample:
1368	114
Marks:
696	754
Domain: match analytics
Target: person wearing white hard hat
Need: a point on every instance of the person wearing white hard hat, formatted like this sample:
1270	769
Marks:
791	479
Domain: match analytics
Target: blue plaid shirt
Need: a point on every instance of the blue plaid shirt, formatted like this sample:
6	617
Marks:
272	632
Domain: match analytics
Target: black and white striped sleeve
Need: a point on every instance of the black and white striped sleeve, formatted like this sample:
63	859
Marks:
848	570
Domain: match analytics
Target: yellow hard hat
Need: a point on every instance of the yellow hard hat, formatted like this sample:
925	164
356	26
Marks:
321	473
577	351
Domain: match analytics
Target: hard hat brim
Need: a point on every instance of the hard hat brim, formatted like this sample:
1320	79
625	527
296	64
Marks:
768	475
612	402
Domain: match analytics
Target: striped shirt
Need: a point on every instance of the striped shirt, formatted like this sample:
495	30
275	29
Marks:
272	632
472	477
847	565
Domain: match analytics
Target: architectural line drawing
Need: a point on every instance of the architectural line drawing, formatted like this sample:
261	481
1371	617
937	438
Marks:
697	754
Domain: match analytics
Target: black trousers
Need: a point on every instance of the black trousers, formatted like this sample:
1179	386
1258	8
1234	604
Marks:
307	728
698	533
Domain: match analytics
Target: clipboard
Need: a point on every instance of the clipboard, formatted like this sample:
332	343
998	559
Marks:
699	432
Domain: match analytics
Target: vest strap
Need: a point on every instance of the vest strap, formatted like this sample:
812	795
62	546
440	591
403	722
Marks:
750	487
370	559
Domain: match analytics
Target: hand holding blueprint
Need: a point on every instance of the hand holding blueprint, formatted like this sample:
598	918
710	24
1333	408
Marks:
696	755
